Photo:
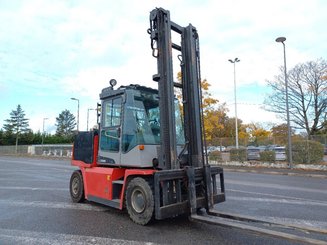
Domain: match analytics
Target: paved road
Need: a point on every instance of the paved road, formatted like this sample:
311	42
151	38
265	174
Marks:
35	208
291	199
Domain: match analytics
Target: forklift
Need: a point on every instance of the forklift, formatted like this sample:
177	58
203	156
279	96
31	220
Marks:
148	154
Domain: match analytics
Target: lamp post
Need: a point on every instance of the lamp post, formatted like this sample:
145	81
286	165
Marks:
43	132
87	122
290	160
236	126
77	112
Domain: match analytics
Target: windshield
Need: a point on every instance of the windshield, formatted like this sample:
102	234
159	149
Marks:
142	121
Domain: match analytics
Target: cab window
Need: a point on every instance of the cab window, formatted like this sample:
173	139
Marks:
112	113
110	132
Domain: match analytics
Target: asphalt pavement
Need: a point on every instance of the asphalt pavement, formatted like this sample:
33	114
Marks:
35	208
278	171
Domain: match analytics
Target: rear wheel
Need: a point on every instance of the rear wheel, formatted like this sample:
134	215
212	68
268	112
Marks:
76	187
139	201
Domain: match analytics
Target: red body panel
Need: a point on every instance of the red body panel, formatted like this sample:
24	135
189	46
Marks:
98	181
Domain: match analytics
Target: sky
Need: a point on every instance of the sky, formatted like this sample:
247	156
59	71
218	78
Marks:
51	51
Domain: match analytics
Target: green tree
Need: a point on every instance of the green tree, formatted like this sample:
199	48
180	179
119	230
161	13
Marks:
17	124
1	137
27	138
65	123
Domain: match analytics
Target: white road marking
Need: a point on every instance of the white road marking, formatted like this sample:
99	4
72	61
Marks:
38	162
53	180
301	222
8	236
274	186
283	201
274	195
34	170
32	188
59	205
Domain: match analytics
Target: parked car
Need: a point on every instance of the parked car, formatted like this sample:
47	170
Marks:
215	148
210	149
253	153
220	148
280	152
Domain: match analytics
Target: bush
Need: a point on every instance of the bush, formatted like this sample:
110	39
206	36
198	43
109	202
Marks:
215	156
238	154
267	156
307	151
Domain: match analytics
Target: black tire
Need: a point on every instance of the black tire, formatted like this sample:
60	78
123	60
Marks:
76	187
139	201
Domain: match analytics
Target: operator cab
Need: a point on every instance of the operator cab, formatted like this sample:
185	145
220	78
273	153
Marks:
129	132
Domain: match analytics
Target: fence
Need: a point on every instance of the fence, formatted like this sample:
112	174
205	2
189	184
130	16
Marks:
257	141
11	149
255	149
38	150
221	145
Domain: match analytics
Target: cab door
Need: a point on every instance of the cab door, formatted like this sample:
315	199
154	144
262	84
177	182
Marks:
110	131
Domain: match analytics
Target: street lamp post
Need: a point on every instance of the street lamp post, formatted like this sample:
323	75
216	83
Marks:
236	126
87	122
43	132
290	159
77	112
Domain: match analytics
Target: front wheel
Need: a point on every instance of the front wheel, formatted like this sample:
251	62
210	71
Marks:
76	187
139	201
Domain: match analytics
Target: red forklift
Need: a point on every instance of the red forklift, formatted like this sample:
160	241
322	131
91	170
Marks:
148	155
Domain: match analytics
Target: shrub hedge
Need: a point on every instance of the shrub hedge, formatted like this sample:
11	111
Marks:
238	154
307	152
267	156
215	156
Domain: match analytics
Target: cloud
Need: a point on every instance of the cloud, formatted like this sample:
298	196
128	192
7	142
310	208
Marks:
56	49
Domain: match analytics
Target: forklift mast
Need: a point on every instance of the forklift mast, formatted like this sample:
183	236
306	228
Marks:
173	195
160	31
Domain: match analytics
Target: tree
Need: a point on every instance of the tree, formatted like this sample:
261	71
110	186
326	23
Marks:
1	137
307	85
17	124
228	132
214	121
280	132
257	134
217	124
323	130
65	123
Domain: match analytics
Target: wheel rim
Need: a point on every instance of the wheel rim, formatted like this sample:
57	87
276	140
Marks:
138	200
75	186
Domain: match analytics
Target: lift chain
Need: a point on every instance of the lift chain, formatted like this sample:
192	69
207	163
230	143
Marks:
153	32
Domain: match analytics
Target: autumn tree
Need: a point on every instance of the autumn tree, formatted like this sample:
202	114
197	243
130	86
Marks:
17	124
279	133
213	114
217	124
257	134
307	90
214	122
